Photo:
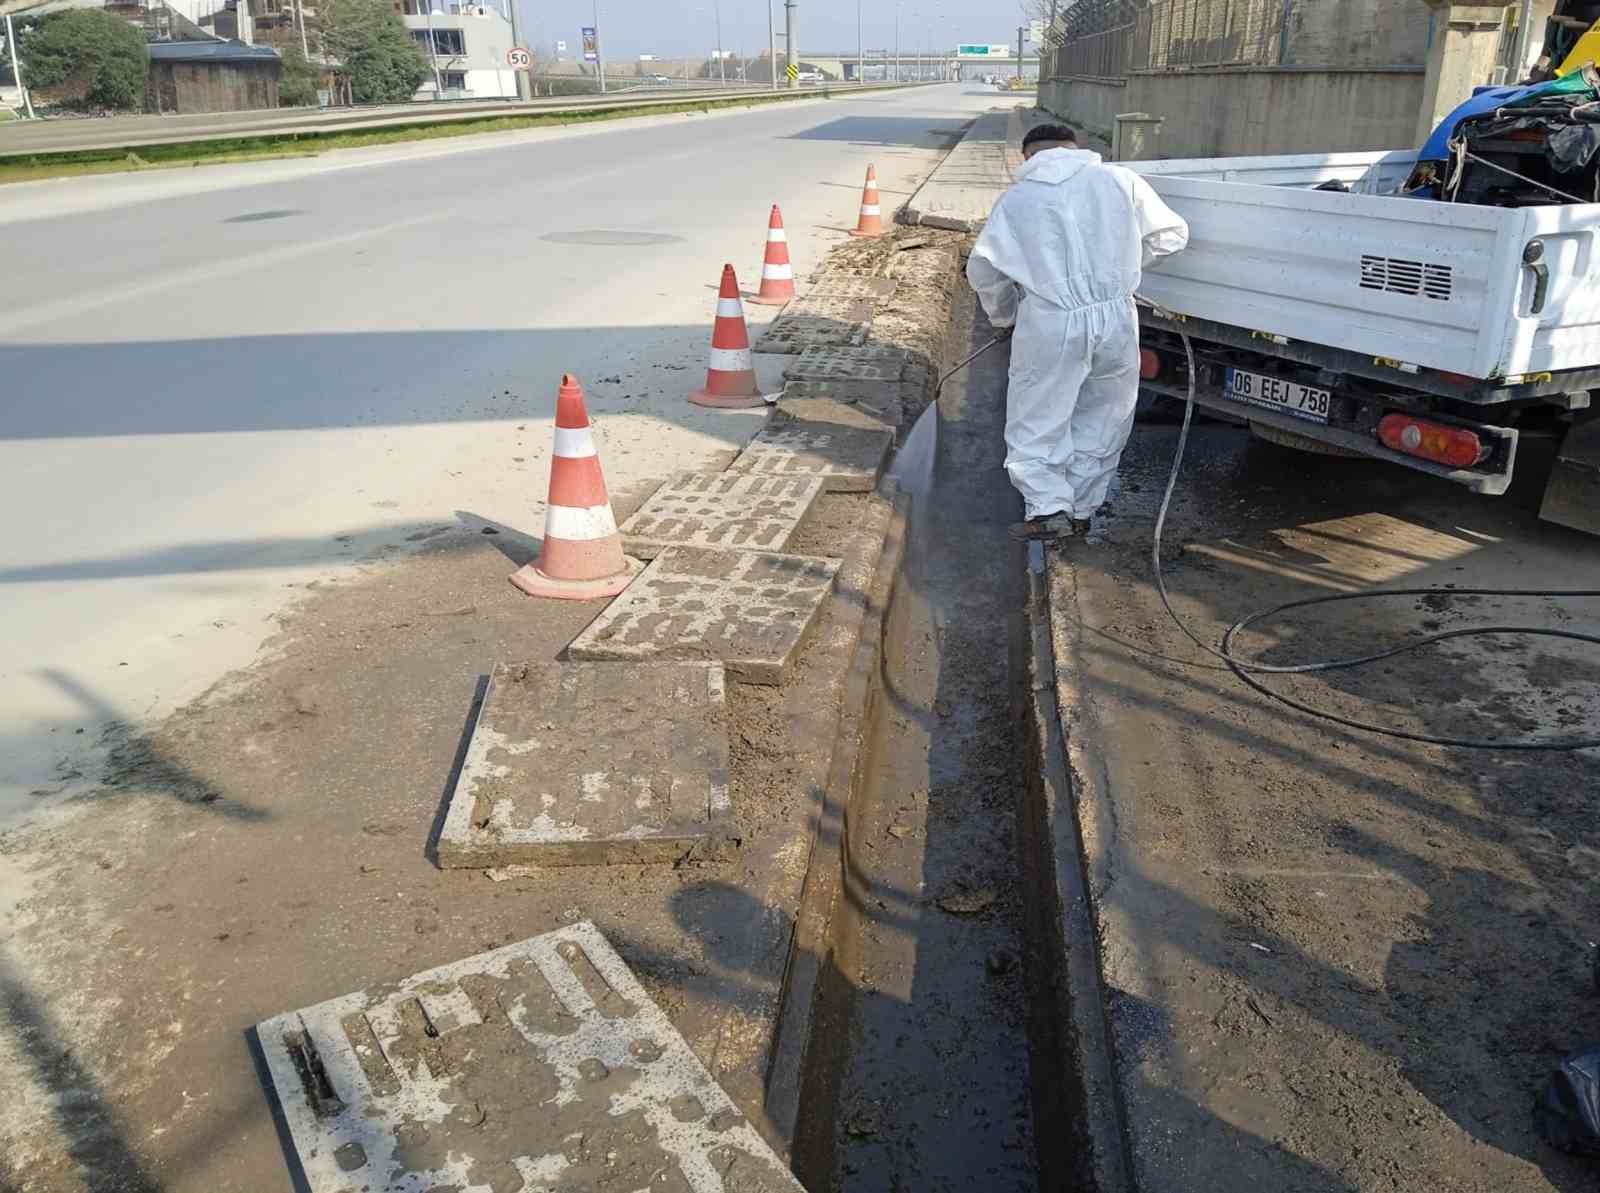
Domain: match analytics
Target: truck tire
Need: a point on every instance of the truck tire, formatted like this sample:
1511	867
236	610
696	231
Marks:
1303	443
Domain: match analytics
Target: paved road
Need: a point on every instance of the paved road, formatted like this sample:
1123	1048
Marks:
221	385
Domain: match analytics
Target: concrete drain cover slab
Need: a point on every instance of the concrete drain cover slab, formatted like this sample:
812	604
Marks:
538	1067
847	364
843	285
748	609
592	763
816	322
846	458
721	509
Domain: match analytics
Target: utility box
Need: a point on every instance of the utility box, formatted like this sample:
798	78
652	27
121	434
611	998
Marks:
1135	137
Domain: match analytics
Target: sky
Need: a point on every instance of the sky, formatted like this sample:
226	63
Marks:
683	28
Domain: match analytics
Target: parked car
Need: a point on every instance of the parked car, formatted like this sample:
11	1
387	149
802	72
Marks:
811	76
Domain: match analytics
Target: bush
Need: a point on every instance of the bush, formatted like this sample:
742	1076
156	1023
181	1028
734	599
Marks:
385	63
297	87
92	55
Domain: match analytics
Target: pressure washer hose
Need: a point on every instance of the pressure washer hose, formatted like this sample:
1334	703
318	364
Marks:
1247	669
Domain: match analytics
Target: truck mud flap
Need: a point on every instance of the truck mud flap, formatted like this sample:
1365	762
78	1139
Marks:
1572	498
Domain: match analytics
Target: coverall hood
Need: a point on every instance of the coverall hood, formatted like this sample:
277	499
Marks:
1055	166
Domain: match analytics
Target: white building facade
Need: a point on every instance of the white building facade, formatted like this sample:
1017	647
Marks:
466	47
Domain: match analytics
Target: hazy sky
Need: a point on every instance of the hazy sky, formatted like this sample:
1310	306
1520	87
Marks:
678	28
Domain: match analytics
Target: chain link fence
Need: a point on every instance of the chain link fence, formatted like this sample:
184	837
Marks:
1110	38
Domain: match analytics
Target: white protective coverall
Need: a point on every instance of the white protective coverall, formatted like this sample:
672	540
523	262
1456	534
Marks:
1060	258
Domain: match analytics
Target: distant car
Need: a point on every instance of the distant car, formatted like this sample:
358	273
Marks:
657	79
811	76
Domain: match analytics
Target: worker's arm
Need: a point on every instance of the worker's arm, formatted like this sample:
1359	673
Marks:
1162	231
997	292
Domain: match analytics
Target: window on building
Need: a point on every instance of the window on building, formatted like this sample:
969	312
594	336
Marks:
454	80
446	42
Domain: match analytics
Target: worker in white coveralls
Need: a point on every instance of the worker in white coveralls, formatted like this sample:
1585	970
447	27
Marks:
1059	260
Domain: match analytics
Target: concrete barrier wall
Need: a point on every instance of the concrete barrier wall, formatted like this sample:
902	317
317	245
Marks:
1252	110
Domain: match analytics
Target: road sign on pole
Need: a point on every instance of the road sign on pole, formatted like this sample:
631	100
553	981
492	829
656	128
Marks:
591	45
518	58
793	71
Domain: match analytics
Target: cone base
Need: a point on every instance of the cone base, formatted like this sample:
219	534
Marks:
867	235
771	300
726	401
535	583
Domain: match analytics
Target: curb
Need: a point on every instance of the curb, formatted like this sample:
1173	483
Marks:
1080	1118
795	1077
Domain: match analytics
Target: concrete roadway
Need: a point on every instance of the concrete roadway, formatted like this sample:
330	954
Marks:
219	385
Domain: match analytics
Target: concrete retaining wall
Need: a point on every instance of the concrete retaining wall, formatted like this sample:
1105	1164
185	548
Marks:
1252	110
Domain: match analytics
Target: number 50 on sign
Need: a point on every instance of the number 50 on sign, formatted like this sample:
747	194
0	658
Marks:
519	59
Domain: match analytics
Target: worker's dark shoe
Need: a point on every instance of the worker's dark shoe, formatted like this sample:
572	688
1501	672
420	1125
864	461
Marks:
1049	526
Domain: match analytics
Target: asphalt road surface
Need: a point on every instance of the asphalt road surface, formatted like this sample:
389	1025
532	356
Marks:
221	385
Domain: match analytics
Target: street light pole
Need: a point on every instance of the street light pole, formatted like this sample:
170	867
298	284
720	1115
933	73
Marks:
897	43
16	66
516	40
599	49
433	54
861	50
772	48
722	58
791	41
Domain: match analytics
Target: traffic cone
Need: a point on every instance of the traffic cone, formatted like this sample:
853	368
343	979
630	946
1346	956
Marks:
777	275
582	557
871	222
731	377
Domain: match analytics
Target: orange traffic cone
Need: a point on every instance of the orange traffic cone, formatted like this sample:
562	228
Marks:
582	556
731	377
777	274
871	222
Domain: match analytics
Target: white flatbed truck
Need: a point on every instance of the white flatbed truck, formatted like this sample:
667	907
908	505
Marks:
1429	334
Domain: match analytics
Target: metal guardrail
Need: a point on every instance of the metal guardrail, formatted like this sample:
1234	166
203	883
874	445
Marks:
45	138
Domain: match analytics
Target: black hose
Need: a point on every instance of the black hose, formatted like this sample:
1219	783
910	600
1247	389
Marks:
1247	669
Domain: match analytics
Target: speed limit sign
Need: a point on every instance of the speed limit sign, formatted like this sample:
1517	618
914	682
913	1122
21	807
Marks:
519	59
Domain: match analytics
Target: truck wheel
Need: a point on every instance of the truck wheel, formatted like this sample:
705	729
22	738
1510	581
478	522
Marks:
1303	443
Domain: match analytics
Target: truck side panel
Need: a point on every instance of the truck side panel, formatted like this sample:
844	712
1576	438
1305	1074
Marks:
1416	281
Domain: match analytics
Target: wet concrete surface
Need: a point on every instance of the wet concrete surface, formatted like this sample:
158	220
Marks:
934	1094
1334	961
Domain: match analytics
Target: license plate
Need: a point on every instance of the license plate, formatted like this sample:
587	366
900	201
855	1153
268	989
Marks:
1255	389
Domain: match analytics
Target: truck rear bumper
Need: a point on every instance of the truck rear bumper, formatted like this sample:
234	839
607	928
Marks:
1491	481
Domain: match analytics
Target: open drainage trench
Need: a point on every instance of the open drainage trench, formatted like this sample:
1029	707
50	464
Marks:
924	1023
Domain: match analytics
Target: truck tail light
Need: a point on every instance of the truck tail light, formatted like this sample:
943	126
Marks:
1431	441
1149	364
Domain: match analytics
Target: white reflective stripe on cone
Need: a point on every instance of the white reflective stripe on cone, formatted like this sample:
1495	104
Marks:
731	360
777	234
730	308
781	273
870	209
579	525
574	443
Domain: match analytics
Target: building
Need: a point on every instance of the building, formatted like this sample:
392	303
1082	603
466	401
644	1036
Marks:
468	50
211	76
1231	77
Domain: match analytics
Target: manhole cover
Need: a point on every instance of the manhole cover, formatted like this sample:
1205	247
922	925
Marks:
585	763
750	610
611	236
253	217
539	1066
721	509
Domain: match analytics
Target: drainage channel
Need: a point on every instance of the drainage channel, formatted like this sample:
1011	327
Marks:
925	1038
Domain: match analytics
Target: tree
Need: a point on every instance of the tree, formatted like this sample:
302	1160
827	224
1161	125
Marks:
384	61
297	88
92	56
